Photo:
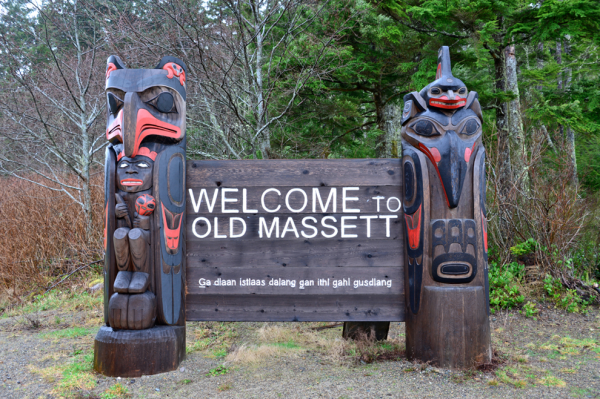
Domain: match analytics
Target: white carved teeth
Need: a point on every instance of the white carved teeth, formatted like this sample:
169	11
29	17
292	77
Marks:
442	103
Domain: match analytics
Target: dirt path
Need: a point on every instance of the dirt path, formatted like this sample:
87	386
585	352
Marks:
555	356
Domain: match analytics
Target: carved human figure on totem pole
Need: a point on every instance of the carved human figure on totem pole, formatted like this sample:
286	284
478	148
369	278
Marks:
447	319
144	195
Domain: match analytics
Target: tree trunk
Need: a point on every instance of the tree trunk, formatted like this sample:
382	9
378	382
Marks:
514	121
570	134
265	137
503	171
391	127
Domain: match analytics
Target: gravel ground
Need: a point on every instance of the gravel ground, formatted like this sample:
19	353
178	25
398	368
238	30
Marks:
555	356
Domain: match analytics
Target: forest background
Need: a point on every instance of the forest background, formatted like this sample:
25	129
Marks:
308	79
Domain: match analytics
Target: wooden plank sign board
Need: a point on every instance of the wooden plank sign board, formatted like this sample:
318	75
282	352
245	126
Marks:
295	240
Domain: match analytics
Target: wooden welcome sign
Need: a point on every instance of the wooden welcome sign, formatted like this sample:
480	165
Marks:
286	240
364	241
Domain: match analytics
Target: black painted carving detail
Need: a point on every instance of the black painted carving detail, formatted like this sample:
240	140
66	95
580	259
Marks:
454	261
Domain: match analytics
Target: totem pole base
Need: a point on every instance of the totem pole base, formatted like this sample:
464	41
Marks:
366	329
133	353
452	328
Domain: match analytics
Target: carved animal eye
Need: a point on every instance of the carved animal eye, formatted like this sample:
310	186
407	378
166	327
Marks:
462	90
164	102
425	128
435	90
114	103
470	127
123	165
143	165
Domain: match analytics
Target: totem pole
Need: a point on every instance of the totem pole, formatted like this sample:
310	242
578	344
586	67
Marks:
144	270
447	320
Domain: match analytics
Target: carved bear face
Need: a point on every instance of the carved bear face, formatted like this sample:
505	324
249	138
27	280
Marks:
145	103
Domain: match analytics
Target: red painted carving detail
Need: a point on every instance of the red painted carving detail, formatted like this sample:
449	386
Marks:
172	227
469	151
148	125
175	70
413	227
434	158
145	204
147	153
444	102
114	129
438	73
467	154
109	68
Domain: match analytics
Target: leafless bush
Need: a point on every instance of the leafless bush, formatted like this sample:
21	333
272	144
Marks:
548	209
43	234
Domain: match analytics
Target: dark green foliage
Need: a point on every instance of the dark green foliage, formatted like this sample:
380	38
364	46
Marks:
567	299
504	286
524	248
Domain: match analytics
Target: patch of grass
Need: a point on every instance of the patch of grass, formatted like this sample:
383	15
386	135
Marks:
568	346
65	300
219	353
530	310
74	332
582	392
568	371
209	335
551	381
70	378
185	382
511	376
219	370
287	345
116	391
224	387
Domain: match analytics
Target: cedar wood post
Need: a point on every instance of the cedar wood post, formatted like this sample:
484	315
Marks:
144	234
447	317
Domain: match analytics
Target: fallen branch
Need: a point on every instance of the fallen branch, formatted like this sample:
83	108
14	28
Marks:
73	272
326	327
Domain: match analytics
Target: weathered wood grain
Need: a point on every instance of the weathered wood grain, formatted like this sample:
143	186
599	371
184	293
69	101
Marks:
133	353
296	281
295	308
249	257
300	173
297	253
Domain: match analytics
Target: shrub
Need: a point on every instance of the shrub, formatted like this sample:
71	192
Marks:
524	248
42	234
567	299
530	310
504	286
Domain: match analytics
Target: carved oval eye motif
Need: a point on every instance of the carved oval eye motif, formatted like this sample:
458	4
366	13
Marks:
435	90
124	165
114	103
143	165
470	127
164	102
408	182
425	128
462	90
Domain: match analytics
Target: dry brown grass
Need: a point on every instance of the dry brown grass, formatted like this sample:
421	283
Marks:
42	235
